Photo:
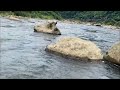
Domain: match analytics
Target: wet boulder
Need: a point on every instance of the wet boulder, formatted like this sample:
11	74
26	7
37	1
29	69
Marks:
99	25
113	54
75	48
96	24
49	27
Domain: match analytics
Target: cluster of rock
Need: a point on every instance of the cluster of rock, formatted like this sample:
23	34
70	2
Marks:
77	48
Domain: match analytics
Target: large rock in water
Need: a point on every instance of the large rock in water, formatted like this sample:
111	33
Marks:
113	54
75	48
49	28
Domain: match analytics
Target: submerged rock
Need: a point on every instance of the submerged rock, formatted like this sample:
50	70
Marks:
113	54
76	48
99	25
49	28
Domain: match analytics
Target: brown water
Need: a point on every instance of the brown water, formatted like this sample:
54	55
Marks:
23	56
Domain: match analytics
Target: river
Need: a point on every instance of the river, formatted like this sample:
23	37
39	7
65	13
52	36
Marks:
23	55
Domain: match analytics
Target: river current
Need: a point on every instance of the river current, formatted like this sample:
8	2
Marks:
23	55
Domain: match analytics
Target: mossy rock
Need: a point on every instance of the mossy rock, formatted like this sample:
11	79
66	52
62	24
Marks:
76	48
113	54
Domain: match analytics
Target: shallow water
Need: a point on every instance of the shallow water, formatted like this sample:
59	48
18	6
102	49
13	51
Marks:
23	56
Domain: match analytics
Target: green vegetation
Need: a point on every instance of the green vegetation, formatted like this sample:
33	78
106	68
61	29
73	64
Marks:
103	17
38	14
33	14
6	13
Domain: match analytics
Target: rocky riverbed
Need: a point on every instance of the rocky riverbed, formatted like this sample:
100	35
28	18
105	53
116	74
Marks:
23	55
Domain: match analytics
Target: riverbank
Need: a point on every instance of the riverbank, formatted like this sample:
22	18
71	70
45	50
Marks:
90	24
67	21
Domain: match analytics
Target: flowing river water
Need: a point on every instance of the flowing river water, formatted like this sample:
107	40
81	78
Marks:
23	55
